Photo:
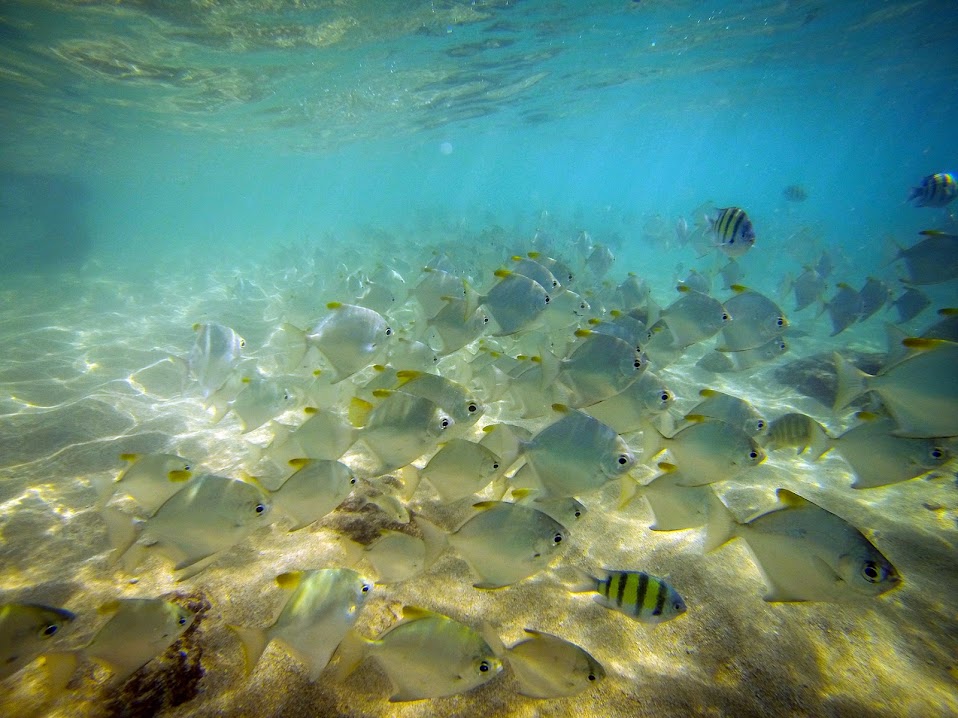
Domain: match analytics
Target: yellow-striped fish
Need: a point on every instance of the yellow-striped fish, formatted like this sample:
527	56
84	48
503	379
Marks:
733	231
637	594
935	190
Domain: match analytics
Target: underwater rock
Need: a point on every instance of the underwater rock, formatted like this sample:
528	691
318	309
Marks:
168	680
814	376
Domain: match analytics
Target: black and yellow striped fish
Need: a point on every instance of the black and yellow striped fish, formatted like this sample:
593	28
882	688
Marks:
638	595
733	231
935	190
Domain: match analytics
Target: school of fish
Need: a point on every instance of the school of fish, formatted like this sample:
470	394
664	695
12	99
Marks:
513	388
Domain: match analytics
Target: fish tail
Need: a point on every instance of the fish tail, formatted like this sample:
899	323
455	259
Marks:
121	528
472	299
721	524
653	441
585	581
435	539
851	382
254	642
629	489
350	653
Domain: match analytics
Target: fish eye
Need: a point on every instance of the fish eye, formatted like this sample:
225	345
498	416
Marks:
937	453
623	459
870	572
242	342
485	319
389	331
352	480
495	465
557	538
678	606
472	408
548	299
260	508
592	676
484	667
366	588
187	467
444	423
725	317
761	424
577	513
637	364
182	620
555	283
665	396
780	321
50	630
753	455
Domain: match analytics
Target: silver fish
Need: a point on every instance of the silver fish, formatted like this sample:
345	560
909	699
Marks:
151	479
215	354
920	391
514	302
694	317
503	543
316	488
547	666
708	450
350	337
461	468
756	320
805	552
322	606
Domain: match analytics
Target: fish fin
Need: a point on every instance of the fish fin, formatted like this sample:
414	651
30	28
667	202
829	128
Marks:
491	636
254	641
721	525
585	581
895	337
435	539
392	507
790	500
851	382
186	570
629	488
350	653
410	612
289	580
473	299
488	585
359	410
653	441
59	667
405	376
121	529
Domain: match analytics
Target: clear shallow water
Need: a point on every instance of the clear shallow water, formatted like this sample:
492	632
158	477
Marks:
151	158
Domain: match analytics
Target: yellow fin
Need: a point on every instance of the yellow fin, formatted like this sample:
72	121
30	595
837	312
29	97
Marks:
178	476
289	580
129	457
696	418
923	344
359	410
708	392
196	326
561	408
310	410
379	367
594	321
298	463
485	505
411	612
516	258
109	607
791	500
502	273
382	393
867	415
615	313
534	255
948	312
520	494
247	380
667	467
489	427
738	288
334	305
683	288
582	332
407	375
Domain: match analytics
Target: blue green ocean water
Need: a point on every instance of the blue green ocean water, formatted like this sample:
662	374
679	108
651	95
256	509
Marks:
164	164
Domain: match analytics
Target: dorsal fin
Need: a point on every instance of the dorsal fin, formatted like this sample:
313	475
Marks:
791	500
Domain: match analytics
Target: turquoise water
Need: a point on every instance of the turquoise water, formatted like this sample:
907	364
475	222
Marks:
156	154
